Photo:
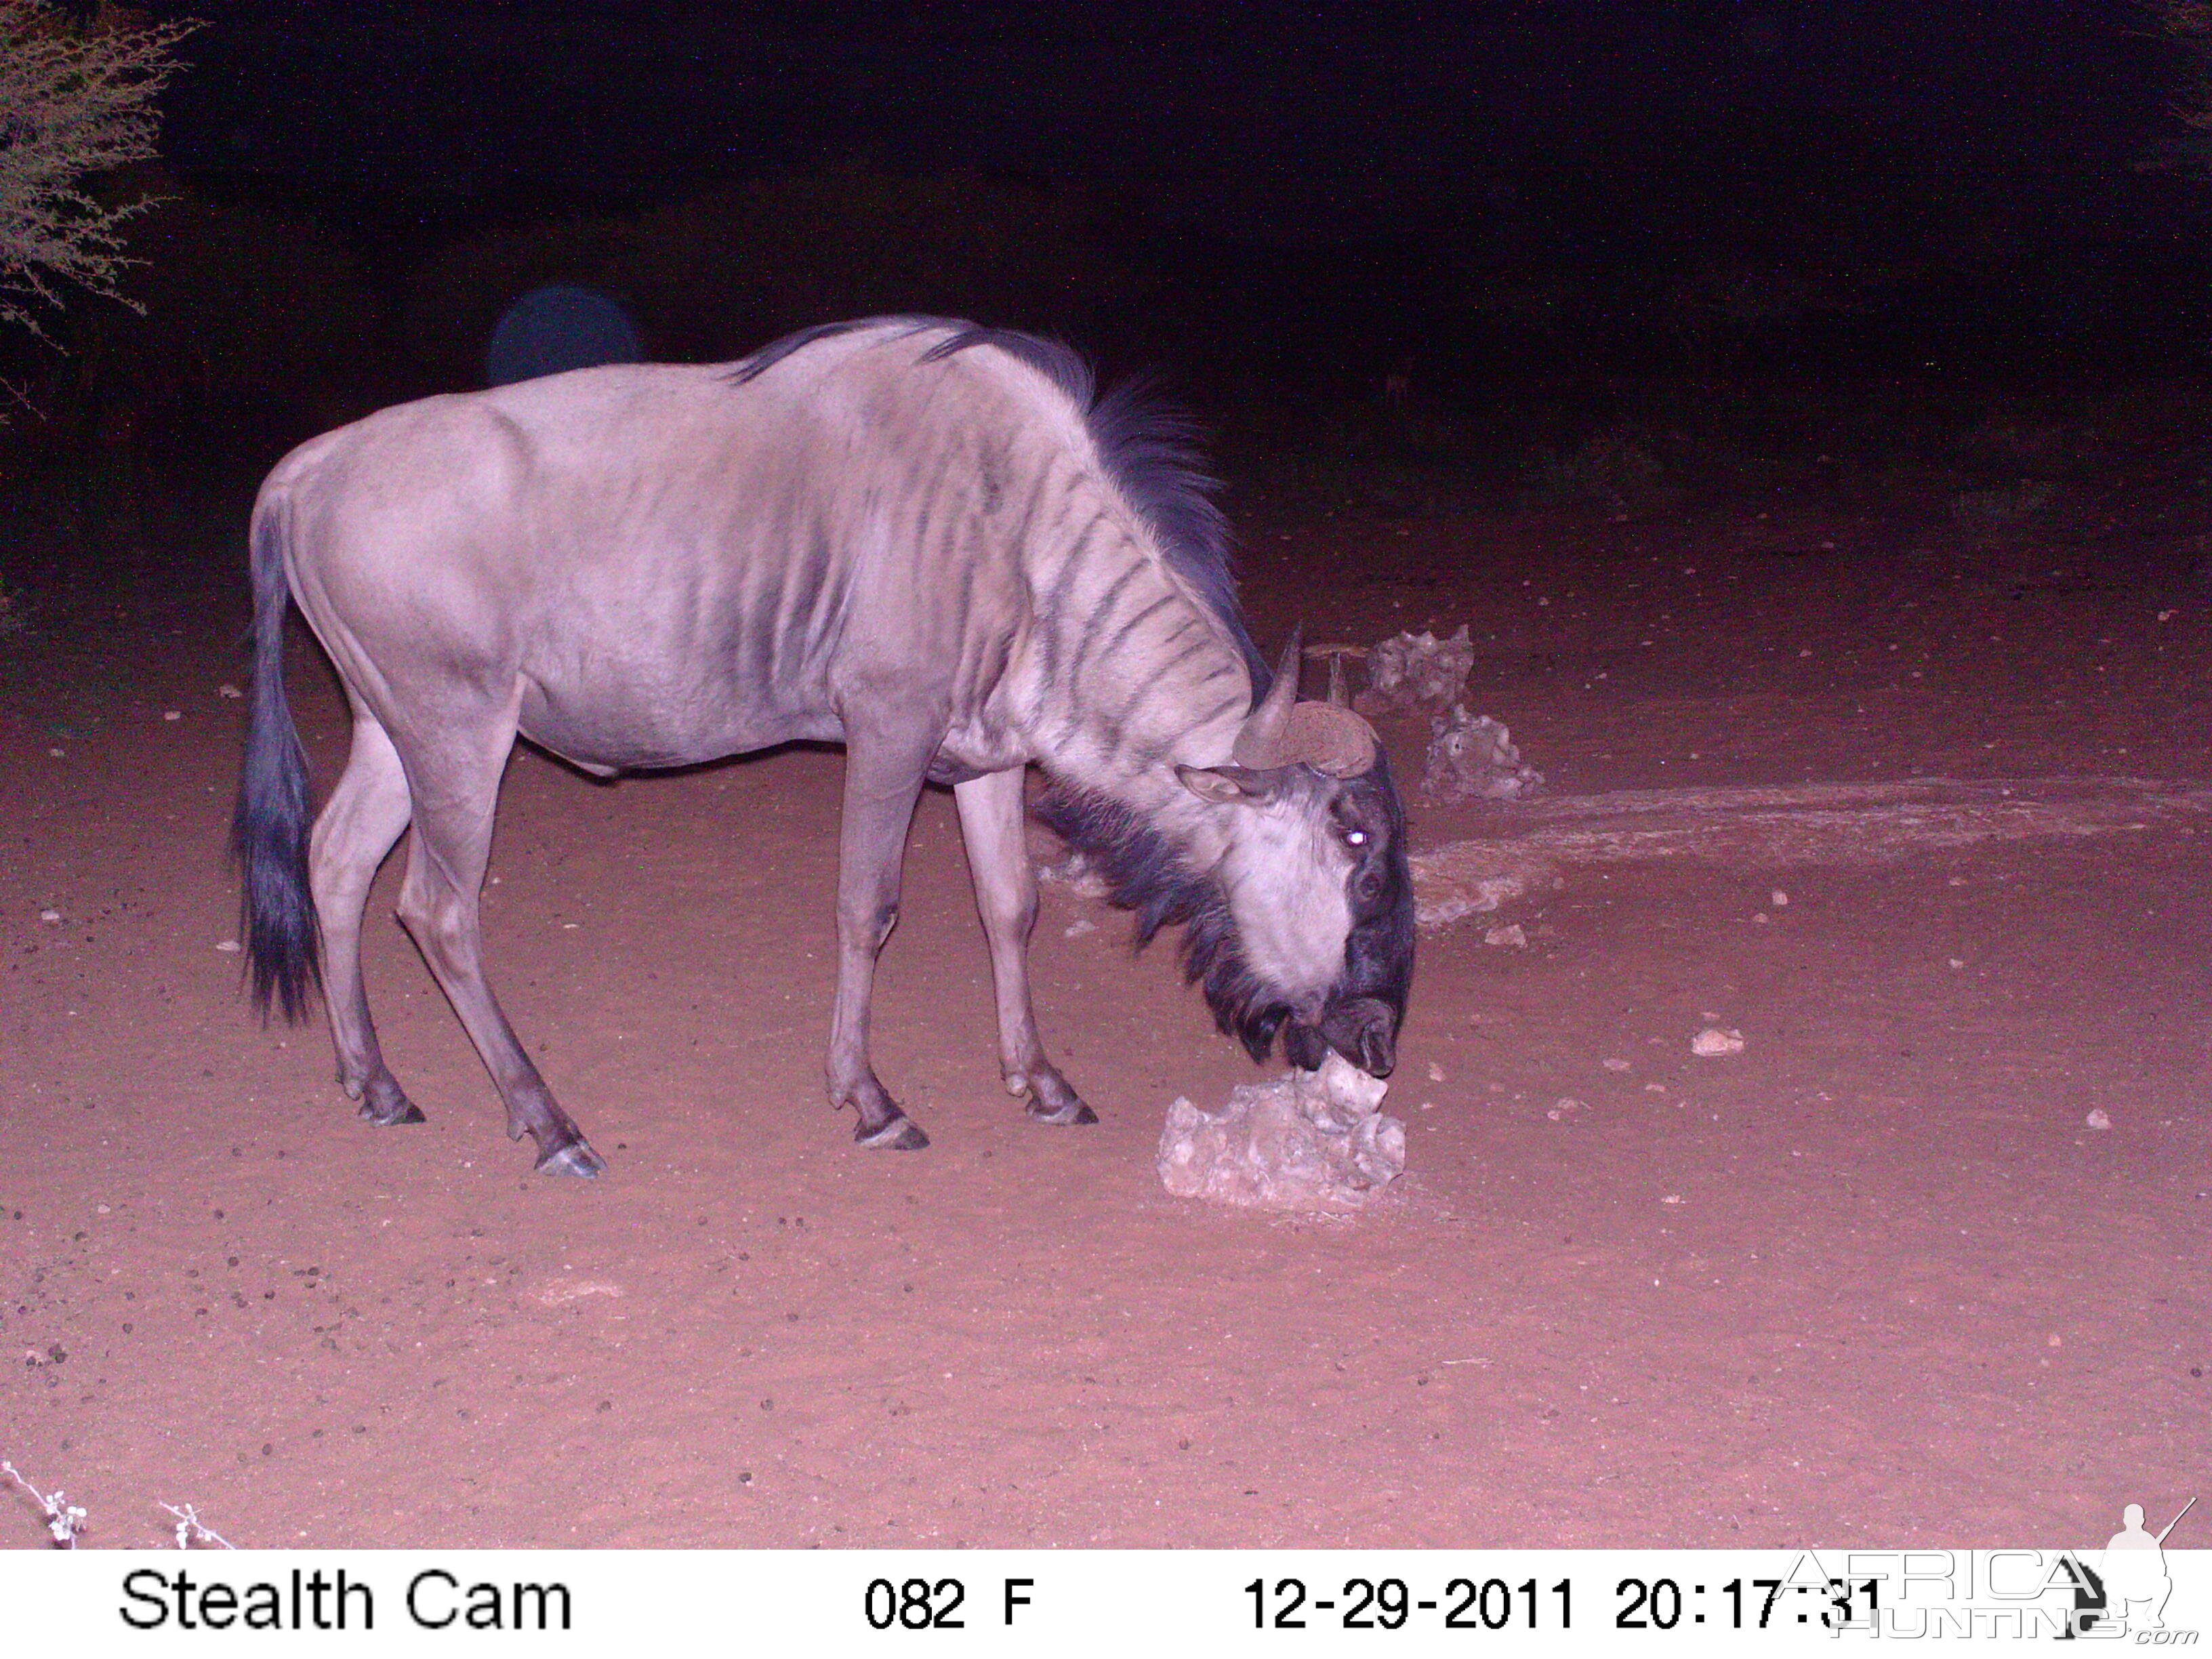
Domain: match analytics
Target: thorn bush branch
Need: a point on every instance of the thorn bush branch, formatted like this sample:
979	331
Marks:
74	101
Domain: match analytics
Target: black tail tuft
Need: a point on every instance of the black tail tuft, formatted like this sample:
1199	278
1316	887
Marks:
269	826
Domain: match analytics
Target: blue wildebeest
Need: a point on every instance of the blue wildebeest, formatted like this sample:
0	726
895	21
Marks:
922	540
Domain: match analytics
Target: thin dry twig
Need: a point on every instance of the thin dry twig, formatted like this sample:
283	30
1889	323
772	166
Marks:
65	1520
192	1530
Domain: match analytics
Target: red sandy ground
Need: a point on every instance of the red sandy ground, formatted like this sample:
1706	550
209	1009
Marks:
1871	1281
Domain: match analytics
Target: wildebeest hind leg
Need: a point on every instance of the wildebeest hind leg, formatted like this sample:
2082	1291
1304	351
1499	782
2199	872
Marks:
1006	895
884	773
455	778
362	819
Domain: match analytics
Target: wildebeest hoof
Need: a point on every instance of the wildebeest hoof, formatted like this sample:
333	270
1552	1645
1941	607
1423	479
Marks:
399	1110
1072	1112
576	1159
901	1135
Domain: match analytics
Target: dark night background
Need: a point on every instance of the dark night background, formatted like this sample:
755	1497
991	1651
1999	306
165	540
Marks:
1451	239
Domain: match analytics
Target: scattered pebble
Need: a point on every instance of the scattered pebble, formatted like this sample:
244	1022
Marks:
227	945
1565	1105
1616	1065
2097	1120
1510	934
226	690
1956	963
56	753
1778	898
555	1291
171	714
1435	1073
1672	1198
1081	926
1714	1041
50	917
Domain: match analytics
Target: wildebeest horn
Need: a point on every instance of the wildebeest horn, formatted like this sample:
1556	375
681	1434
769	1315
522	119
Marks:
1264	727
1283	731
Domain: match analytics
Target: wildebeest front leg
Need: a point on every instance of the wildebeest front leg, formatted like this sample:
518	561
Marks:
884	773
1006	895
455	777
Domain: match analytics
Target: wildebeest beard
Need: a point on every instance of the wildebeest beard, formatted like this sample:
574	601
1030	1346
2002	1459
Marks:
1145	875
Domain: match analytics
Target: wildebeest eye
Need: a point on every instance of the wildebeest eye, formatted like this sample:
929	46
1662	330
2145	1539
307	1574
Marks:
1355	838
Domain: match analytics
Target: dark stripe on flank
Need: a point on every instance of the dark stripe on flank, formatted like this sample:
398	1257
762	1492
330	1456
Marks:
1123	632
829	602
1098	615
1148	444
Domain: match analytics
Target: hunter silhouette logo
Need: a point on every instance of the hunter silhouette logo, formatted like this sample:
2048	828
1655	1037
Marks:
2136	1581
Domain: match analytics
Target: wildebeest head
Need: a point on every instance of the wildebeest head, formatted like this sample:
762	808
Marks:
1312	935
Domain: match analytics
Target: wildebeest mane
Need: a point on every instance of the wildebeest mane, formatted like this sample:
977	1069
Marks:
1148	442
1144	876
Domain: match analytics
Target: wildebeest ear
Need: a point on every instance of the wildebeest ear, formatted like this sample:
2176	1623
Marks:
1228	785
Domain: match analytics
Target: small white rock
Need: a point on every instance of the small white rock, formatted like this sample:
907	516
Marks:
1714	1041
171	714
1671	1198
1778	898
1081	926
1955	964
2097	1120
1616	1065
556	1291
50	917
1510	934
227	945
1435	1073
56	753
226	690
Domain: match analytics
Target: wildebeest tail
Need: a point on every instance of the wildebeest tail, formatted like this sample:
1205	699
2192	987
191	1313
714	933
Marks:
269	826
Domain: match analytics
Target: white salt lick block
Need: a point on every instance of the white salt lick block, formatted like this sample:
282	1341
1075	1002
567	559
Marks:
1312	1141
